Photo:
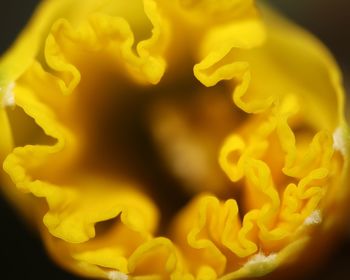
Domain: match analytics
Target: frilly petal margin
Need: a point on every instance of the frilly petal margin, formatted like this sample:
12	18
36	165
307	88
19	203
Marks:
249	71
122	253
69	215
99	32
285	198
29	44
31	157
218	62
279	224
18	59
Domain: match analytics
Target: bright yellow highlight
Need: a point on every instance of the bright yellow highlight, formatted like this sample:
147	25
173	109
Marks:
182	140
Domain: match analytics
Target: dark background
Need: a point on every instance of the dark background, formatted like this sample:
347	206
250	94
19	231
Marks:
21	253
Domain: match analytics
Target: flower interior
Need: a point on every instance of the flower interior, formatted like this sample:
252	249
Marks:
156	149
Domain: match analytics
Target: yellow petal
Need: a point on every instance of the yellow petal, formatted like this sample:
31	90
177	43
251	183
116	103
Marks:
87	76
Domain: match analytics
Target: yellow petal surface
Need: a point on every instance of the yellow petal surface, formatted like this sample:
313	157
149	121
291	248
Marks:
174	140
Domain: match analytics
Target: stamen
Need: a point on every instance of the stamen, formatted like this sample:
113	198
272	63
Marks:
260	258
314	218
338	141
260	263
8	99
117	275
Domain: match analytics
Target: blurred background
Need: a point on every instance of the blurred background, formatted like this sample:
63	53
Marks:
329	20
21	253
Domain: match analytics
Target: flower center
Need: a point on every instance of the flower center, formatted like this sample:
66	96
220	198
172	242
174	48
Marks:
164	138
211	144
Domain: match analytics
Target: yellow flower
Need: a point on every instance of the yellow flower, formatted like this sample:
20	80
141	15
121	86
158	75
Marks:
184	139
